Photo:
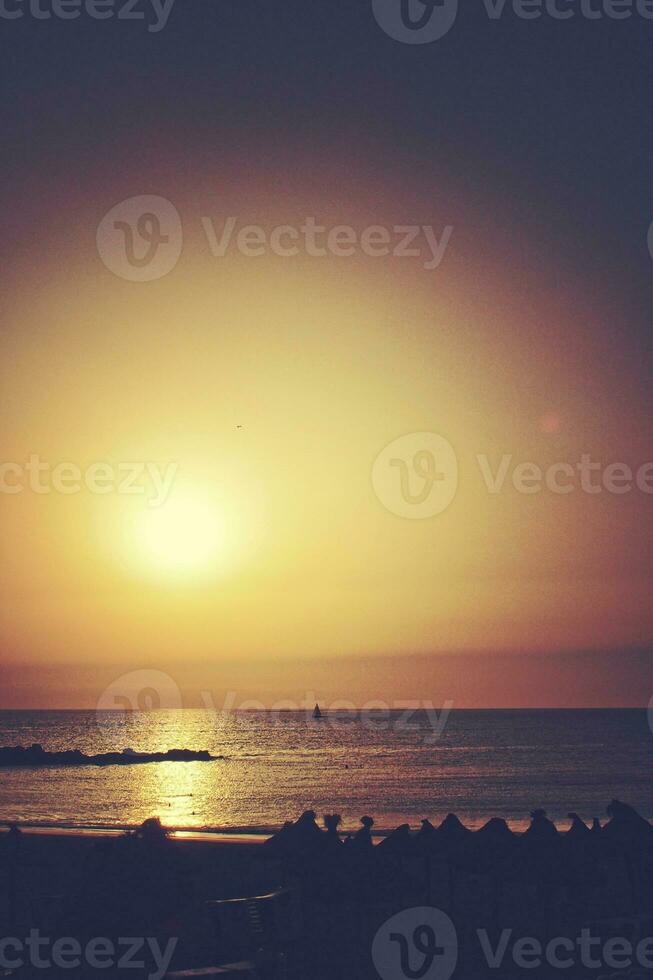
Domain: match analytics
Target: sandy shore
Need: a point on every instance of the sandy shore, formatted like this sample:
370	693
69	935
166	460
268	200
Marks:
83	882
110	833
54	860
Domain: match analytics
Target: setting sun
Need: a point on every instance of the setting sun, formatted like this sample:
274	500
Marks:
185	534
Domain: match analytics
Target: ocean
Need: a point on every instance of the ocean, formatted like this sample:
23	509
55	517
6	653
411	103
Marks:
397	769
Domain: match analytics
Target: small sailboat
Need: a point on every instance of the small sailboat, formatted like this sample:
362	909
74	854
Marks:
317	714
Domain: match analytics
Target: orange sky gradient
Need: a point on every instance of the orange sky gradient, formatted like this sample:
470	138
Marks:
311	583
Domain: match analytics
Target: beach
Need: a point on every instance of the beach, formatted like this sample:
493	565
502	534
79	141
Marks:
223	865
314	904
319	834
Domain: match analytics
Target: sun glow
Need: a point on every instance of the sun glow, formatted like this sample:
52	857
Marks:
271	386
185	534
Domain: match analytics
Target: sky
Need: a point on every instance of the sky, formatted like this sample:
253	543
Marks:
379	364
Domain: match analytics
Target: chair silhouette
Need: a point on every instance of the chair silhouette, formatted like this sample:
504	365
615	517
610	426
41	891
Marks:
255	937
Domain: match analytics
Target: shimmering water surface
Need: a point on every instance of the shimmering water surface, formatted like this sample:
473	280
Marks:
484	763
